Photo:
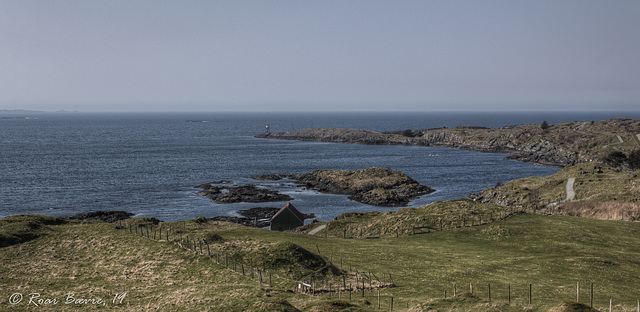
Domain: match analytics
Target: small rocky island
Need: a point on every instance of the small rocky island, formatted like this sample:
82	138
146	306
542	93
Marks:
228	194
373	186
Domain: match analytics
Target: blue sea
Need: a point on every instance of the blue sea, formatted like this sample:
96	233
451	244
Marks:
62	164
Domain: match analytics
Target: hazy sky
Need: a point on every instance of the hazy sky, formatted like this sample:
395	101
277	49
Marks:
135	55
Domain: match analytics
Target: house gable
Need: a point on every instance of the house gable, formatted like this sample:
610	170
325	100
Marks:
287	218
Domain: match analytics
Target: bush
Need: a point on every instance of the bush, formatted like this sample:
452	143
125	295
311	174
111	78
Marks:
634	160
616	159
545	125
408	133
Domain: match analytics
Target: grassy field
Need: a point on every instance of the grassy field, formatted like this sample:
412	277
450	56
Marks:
97	260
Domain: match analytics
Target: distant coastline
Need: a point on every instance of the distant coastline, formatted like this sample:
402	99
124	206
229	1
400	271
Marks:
558	145
19	111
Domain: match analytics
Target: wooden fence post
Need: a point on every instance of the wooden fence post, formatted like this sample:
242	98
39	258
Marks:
530	294
591	304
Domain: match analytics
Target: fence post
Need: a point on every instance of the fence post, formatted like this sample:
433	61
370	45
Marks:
578	292
509	293
489	291
529	293
591	300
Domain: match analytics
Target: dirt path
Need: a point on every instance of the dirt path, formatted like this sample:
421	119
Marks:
316	230
571	194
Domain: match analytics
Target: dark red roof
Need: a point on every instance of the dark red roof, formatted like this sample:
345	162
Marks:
290	207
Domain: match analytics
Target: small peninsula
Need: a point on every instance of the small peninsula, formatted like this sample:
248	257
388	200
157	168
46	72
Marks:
374	186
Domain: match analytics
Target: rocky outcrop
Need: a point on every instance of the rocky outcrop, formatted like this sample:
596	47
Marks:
558	145
250	193
105	216
373	186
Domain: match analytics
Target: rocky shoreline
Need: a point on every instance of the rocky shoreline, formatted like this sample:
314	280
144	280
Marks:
556	145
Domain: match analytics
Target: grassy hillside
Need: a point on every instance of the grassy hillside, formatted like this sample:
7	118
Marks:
593	183
99	260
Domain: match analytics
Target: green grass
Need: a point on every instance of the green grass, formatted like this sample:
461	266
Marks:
553	253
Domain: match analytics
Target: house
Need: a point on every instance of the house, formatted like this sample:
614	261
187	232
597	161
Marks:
287	218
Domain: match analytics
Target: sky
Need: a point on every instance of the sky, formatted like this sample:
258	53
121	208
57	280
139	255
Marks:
331	55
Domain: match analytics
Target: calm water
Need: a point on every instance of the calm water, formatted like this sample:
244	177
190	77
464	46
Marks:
62	164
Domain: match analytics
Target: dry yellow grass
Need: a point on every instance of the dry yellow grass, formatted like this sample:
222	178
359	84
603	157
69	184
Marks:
603	211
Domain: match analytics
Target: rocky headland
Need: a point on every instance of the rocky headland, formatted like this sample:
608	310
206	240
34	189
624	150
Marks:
557	145
373	186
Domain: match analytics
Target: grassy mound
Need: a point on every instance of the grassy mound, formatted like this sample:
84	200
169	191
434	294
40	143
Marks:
433	217
284	257
22	228
335	306
571	307
271	304
603	211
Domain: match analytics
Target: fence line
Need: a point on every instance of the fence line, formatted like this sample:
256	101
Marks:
357	281
354	282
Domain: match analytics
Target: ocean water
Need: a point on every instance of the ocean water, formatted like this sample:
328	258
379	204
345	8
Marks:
62	164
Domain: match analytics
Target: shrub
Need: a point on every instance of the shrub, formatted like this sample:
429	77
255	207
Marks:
634	160
616	159
545	125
